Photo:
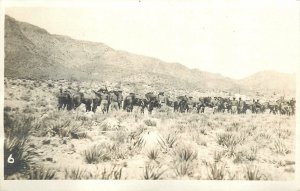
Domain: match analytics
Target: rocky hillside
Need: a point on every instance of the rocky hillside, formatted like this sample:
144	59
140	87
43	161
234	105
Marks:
270	81
32	52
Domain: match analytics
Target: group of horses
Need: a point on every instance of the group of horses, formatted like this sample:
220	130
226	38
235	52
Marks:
114	100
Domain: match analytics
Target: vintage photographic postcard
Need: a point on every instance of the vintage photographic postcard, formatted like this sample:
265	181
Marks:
188	95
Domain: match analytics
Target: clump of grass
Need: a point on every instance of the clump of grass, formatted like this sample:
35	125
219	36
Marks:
283	133
253	173
58	126
41	174
251	155
234	126
216	171
119	137
16	156
75	173
150	122
97	153
218	156
153	154
110	124
19	125
136	134
185	154
230	151
280	148
239	158
152	172
202	130
118	151
171	140
227	139
111	174
182	169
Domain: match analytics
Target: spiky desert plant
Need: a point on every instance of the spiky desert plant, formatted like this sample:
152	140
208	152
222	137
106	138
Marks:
182	169
19	125
153	172
97	153
153	154
251	154
216	171
280	148
171	139
111	174
41	173
75	173
16	157
185	153
227	139
253	173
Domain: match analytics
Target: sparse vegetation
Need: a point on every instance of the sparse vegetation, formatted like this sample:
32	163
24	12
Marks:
171	140
97	153
216	171
150	122
280	148
185	154
182	169
152	172
118	144
227	139
112	174
41	174
75	174
253	173
153	154
16	157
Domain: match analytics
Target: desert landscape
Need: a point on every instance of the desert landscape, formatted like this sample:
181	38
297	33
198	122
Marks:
43	141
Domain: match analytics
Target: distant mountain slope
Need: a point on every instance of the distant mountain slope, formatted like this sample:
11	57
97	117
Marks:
270	81
32	52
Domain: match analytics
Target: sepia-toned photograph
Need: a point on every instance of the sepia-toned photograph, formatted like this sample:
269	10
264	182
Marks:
151	91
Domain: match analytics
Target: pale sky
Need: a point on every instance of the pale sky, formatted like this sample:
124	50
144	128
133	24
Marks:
233	38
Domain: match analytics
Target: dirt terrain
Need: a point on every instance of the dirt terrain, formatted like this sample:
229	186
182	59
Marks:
46	143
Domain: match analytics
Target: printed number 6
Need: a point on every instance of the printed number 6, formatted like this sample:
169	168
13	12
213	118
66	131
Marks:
10	159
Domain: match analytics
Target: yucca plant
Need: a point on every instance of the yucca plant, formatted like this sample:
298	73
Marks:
16	157
111	174
171	139
280	148
153	173
253	173
97	153
75	173
227	139
153	154
185	154
216	171
19	126
41	174
183	169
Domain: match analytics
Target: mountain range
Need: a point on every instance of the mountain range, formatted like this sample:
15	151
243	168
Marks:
32	52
